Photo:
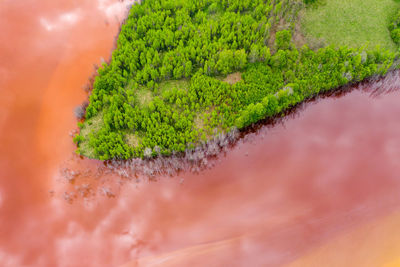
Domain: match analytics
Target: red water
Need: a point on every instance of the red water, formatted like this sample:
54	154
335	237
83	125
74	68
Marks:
322	189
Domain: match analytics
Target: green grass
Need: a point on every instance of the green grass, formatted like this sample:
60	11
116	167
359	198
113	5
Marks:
93	124
350	22
144	96
132	139
182	84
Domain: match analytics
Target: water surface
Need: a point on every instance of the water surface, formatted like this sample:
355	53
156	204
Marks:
322	188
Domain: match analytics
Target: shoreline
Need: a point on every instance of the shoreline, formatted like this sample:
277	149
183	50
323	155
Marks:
245	129
205	156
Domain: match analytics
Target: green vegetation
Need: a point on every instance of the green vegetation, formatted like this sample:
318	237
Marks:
394	28
354	23
92	125
187	70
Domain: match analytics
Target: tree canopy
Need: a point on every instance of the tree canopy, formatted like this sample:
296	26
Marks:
164	90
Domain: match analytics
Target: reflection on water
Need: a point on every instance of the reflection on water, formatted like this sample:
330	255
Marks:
320	184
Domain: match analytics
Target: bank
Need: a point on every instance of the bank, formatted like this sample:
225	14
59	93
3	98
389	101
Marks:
166	89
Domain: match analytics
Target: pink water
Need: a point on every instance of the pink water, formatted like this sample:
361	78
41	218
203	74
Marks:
322	189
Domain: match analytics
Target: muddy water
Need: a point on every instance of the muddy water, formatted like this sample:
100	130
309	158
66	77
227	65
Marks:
320	189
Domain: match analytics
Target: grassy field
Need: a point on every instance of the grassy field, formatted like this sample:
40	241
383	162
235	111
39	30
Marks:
350	22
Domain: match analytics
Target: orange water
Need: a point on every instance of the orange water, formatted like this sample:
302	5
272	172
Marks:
320	190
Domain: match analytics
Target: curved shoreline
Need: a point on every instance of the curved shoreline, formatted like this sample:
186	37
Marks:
208	154
124	135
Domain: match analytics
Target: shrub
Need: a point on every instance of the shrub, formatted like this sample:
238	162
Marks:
394	28
283	39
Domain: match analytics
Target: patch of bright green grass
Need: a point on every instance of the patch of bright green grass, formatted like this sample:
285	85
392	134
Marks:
350	22
143	96
182	84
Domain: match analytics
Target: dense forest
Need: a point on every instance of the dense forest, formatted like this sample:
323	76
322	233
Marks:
184	71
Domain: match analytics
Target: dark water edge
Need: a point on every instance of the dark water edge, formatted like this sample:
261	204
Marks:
207	154
372	86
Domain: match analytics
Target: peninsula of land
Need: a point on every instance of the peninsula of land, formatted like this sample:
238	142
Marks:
185	71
